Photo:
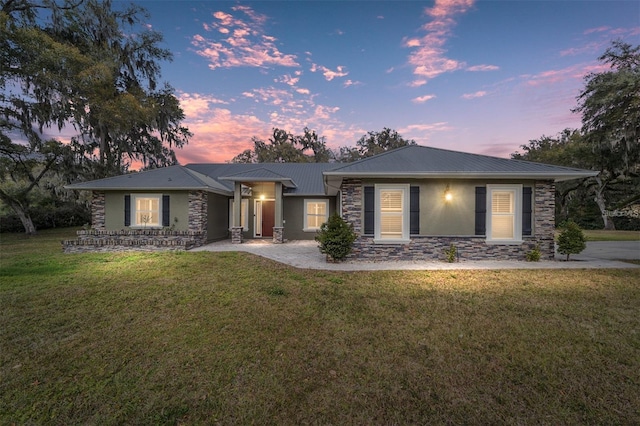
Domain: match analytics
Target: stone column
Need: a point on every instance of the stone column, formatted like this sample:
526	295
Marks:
544	217
97	210
278	228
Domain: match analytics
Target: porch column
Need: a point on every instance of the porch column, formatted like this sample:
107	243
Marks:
278	228
236	226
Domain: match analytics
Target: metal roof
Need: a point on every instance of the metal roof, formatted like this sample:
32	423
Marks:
412	161
165	178
422	161
307	177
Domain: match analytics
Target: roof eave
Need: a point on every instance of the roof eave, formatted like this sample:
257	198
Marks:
467	175
143	188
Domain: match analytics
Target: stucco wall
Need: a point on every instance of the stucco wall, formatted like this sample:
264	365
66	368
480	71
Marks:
293	215
217	217
114	209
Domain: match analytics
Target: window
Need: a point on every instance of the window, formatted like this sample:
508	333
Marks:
392	219
244	214
504	207
146	210
316	212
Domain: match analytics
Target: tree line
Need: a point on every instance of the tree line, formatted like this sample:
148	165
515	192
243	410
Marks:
608	141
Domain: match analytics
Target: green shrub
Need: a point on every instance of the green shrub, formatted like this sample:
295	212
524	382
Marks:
336	237
452	253
533	255
571	240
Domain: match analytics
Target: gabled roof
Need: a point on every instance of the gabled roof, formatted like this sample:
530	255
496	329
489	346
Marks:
165	178
260	175
307	177
421	161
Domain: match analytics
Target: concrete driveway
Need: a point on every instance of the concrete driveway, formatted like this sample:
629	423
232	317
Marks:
305	254
610	250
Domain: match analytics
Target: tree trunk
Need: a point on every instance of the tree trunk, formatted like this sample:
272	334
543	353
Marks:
599	199
25	217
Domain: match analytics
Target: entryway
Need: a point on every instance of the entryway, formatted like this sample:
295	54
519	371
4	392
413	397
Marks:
264	218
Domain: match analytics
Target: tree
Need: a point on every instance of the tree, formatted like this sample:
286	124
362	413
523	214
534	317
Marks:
284	147
571	240
22	169
84	65
373	143
610	108
95	68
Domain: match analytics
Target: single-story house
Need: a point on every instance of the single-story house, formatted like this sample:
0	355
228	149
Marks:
409	203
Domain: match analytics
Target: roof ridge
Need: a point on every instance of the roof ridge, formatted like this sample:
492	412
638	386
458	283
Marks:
363	160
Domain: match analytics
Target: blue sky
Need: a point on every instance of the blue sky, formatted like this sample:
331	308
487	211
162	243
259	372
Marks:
476	76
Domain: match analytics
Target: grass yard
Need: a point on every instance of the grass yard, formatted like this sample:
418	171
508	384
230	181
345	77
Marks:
230	338
604	235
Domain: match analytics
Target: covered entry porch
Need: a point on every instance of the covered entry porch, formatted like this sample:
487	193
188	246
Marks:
264	189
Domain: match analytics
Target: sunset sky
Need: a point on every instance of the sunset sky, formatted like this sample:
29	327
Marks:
476	76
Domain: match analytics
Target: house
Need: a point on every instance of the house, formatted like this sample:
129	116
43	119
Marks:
410	203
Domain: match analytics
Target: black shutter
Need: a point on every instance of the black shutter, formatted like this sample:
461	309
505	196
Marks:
414	210
481	210
526	210
127	210
369	210
166	219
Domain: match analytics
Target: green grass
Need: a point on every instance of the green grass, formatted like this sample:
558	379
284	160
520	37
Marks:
231	338
603	235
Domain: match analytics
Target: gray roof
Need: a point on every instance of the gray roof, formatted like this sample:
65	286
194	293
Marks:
307	177
165	178
260	175
310	178
422	161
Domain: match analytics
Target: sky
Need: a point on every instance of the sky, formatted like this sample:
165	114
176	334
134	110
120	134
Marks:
478	76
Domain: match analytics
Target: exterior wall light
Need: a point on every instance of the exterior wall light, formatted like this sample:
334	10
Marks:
262	197
447	194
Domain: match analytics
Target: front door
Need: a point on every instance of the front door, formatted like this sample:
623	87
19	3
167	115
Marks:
265	217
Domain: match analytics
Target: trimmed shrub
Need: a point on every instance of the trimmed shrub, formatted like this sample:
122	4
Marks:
336	238
533	255
571	240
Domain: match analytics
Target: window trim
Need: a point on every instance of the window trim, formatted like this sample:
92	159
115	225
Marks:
134	210
405	188
304	218
517	213
244	214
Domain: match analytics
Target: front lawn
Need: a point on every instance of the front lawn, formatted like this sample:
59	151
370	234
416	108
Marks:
231	338
604	235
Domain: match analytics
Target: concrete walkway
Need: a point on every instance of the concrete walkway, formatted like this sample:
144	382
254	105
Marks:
305	254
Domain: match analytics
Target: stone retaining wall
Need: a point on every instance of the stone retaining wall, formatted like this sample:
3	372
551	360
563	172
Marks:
94	240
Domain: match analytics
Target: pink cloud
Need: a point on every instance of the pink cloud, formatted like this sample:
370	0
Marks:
574	72
422	99
596	30
245	44
477	68
428	59
328	73
478	94
417	83
422	133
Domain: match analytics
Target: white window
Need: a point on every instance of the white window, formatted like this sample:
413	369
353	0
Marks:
316	212
147	210
244	214
504	219
392	213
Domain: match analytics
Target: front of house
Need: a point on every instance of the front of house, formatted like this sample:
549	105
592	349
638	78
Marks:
411	203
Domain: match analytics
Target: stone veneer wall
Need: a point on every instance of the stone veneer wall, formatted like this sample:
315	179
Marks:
468	247
98	239
97	210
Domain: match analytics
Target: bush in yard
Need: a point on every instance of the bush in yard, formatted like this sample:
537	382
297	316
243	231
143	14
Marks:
571	240
336	237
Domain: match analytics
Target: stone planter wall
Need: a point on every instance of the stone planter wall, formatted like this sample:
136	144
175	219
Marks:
94	240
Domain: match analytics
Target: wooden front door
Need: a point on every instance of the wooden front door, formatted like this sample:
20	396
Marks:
266	215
